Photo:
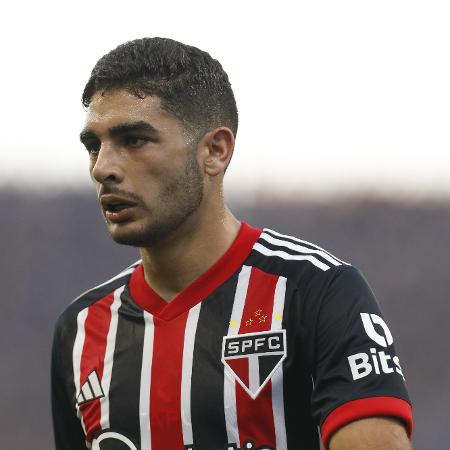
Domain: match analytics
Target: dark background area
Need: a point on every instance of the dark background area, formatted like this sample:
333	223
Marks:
53	247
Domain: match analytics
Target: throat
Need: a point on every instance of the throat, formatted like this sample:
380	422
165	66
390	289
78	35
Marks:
172	281
166	294
172	268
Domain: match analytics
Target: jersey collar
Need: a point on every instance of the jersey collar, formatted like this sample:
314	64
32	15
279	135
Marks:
199	289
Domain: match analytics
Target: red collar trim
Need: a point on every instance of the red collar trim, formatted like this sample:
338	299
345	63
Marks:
199	289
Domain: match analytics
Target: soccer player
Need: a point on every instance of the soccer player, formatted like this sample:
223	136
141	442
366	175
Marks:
222	336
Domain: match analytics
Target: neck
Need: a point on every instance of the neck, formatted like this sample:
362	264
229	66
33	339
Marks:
199	243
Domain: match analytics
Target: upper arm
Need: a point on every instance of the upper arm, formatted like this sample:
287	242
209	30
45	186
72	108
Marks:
375	433
356	371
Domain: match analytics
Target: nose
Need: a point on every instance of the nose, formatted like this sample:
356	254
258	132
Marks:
105	166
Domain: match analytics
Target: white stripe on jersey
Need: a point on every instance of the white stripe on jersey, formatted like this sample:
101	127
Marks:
280	253
277	378
109	358
239	300
285	236
188	351
146	373
299	248
229	381
76	356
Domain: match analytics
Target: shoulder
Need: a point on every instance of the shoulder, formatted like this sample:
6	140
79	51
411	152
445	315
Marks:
74	311
297	259
318	282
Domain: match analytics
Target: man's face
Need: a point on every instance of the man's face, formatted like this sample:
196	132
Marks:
144	166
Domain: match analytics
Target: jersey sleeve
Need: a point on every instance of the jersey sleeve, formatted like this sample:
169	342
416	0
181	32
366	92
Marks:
356	370
67	429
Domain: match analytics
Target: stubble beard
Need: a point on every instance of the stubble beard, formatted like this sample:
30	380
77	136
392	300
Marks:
180	198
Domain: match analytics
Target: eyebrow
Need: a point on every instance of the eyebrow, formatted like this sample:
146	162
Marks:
122	128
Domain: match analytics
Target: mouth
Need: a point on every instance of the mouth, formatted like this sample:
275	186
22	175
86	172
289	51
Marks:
117	209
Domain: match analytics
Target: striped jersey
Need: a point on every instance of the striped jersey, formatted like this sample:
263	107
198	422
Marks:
275	347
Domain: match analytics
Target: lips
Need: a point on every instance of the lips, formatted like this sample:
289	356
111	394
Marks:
117	209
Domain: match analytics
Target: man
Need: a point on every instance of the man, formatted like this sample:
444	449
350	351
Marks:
222	336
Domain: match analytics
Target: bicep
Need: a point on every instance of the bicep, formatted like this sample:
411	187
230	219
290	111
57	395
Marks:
374	433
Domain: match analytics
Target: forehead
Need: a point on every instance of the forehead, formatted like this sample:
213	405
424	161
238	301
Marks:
111	108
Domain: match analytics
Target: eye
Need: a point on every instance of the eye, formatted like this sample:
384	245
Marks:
92	146
131	140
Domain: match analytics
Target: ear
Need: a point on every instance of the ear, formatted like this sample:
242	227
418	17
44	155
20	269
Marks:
217	146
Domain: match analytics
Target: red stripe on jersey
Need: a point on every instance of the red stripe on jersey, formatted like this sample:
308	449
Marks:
93	355
255	417
165	394
366	407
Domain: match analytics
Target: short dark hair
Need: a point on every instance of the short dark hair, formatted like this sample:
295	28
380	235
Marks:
192	85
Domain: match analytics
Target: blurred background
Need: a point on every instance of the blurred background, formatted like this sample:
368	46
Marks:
343	141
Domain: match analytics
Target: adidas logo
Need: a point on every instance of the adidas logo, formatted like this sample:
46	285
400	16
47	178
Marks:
91	389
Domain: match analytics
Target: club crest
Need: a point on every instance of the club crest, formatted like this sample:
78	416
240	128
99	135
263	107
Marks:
252	358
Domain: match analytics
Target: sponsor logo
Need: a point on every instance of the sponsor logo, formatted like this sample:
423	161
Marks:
90	390
363	364
248	445
369	321
252	358
111	440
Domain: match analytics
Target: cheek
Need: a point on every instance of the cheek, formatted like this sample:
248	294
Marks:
148	183
157	170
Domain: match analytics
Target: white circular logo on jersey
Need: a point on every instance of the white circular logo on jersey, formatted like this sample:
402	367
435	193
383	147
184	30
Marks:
110	440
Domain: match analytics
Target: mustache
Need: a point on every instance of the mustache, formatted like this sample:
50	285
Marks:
119	192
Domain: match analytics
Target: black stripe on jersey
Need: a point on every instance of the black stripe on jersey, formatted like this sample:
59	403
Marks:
66	425
207	382
297	241
124	392
297	379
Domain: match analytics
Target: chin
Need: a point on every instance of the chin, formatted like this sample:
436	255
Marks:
125	234
139	236
132	238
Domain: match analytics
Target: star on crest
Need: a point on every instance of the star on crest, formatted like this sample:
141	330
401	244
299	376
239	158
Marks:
249	322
